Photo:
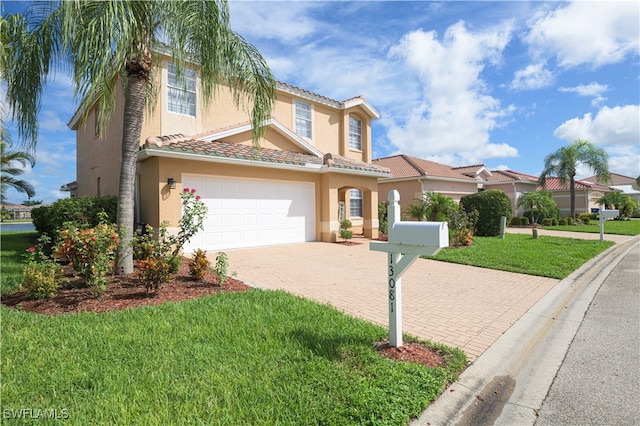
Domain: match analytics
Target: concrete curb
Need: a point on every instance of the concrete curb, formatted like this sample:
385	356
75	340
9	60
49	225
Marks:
507	384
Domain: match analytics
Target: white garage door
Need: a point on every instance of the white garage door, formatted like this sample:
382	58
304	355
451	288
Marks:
252	212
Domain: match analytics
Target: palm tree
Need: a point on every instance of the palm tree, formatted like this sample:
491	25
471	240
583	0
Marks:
106	43
9	171
564	162
539	201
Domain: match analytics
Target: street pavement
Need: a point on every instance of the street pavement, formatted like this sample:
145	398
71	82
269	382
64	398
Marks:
572	359
599	380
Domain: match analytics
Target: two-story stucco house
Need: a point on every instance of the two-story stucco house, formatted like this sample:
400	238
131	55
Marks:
313	165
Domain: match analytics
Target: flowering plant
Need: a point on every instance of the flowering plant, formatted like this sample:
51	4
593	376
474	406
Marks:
42	275
199	265
194	212
90	251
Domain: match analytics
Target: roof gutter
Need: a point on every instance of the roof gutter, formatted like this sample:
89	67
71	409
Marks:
147	153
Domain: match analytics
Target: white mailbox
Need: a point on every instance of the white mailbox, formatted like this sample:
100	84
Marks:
406	241
428	234
609	214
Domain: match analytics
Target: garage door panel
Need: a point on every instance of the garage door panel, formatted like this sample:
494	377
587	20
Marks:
252	212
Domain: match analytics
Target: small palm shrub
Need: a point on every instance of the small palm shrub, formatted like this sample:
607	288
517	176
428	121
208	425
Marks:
199	265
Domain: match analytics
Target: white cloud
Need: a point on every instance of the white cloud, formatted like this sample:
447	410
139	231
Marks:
289	24
49	121
591	33
532	77
594	90
611	126
617	130
451	114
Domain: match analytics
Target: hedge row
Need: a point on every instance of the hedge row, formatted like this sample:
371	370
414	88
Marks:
81	210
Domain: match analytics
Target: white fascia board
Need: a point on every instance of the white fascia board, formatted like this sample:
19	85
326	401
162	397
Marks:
308	167
362	102
150	152
428	177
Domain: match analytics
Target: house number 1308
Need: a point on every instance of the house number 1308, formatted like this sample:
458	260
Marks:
392	283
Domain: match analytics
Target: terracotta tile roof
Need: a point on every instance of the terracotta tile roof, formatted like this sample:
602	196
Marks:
404	166
233	150
554	184
509	176
468	169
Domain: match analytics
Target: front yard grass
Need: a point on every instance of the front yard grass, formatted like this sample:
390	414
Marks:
256	357
619	227
13	246
552	257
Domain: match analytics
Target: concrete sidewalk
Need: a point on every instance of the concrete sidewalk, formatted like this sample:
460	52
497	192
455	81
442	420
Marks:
509	382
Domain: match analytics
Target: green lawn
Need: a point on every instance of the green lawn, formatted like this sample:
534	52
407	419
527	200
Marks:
13	246
620	227
552	257
258	357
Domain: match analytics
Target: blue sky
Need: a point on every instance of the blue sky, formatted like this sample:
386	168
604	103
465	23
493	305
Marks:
498	83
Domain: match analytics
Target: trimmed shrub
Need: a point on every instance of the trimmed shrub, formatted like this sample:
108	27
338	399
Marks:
345	229
570	221
547	221
562	222
524	221
585	218
515	221
491	205
81	211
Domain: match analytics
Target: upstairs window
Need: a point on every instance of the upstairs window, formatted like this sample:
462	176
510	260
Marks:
355	203
181	92
303	119
355	134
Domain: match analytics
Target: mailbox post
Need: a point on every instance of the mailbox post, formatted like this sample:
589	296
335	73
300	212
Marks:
405	242
602	216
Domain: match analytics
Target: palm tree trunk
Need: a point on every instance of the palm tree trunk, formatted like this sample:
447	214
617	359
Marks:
572	191
133	118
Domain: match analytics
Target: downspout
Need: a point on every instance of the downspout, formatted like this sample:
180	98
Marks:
515	198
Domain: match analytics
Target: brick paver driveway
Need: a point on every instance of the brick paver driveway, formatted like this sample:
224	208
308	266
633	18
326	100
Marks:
457	305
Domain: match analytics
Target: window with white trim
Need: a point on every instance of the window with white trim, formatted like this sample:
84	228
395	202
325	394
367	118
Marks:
303	119
355	133
355	203
181	92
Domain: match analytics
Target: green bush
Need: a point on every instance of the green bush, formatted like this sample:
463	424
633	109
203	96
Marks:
42	275
585	218
345	229
82	211
563	222
491	205
382	218
515	221
524	221
547	221
570	221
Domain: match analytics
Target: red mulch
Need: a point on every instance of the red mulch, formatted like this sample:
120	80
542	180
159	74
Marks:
126	291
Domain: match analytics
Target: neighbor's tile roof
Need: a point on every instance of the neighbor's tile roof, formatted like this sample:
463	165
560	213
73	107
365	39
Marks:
178	143
404	166
554	184
509	176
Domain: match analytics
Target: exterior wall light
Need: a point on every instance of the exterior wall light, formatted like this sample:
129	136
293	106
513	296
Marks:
172	183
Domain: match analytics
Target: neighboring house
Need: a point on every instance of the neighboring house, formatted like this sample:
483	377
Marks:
314	157
478	171
17	211
625	184
587	194
514	184
71	187
413	176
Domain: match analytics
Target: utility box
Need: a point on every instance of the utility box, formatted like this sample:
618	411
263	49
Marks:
609	214
421	234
